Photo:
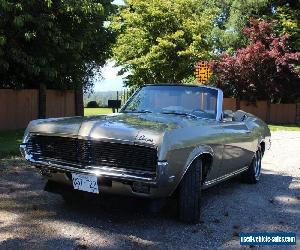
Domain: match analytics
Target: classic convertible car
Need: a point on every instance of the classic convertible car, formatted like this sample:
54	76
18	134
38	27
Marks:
167	140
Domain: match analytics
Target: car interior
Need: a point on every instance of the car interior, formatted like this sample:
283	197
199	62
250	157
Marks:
238	116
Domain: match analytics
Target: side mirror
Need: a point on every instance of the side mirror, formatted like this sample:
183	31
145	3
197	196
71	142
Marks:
227	115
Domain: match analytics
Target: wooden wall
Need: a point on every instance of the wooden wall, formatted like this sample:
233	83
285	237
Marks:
60	103
277	113
19	107
283	113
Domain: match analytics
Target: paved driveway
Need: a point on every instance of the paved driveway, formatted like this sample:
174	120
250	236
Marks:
31	218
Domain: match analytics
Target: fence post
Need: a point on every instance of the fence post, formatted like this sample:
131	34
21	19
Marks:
298	113
117	100
79	101
42	100
268	115
237	103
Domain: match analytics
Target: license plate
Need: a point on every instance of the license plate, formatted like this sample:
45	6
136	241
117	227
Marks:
86	183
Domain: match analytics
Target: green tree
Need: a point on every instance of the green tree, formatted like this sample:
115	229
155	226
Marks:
287	17
264	70
159	41
58	43
232	18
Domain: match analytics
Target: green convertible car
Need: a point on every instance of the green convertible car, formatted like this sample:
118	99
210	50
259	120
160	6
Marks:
167	140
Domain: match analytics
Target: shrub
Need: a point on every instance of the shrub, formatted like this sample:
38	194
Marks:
92	104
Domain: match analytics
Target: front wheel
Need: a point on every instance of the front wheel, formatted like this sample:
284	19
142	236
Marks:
189	199
253	173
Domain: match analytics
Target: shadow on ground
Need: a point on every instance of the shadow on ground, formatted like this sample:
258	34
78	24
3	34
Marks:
31	218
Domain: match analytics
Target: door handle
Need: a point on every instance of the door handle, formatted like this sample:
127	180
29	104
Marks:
248	132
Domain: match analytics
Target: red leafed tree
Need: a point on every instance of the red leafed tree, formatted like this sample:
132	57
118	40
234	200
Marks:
264	70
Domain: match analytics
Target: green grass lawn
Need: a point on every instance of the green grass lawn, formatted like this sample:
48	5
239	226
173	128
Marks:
9	143
284	127
96	111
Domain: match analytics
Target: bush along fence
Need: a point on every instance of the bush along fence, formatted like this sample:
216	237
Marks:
19	107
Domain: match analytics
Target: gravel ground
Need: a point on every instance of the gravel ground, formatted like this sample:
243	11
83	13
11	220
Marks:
33	219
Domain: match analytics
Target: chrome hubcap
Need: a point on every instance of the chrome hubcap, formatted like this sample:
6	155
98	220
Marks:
257	166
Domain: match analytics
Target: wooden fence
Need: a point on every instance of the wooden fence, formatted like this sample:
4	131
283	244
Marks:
18	107
272	113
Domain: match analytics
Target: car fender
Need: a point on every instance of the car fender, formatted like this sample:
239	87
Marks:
194	154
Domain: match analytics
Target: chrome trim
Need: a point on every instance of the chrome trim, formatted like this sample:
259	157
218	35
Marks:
224	177
129	99
162	172
104	139
22	148
158	178
267	141
99	171
219	97
54	135
105	172
219	105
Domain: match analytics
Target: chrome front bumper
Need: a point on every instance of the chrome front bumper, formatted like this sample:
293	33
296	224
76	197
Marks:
159	181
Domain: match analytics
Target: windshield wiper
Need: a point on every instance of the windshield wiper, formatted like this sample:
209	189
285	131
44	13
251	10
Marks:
179	113
137	111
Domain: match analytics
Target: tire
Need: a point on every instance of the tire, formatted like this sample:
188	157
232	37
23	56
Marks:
252	175
189	199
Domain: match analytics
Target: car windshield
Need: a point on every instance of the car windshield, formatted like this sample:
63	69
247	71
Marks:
179	100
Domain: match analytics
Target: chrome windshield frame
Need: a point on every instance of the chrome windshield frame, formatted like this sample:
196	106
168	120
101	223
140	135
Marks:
219	105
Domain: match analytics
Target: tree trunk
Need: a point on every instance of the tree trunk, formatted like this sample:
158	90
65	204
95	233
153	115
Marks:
79	110
42	100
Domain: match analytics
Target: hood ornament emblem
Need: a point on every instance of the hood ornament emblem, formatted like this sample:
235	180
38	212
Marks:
143	138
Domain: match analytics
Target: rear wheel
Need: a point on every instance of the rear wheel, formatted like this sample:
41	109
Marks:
253	173
189	199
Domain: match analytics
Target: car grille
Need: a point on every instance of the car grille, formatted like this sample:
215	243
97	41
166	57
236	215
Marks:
92	153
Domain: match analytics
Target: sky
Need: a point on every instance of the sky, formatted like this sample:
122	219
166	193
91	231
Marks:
118	2
110	80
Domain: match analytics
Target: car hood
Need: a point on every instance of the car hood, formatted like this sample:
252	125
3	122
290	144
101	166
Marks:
139	128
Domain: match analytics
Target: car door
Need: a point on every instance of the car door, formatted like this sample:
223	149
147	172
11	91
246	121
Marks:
238	142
